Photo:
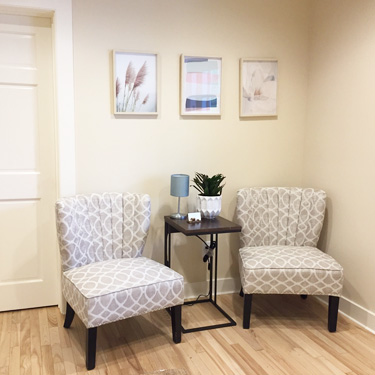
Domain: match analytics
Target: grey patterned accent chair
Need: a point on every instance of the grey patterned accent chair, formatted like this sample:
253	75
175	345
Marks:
105	277
278	254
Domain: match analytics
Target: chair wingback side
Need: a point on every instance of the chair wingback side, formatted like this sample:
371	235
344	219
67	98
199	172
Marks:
280	216
97	227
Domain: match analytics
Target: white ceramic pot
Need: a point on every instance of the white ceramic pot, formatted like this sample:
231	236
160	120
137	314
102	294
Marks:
209	207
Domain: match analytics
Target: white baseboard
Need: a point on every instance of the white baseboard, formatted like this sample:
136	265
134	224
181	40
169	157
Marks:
358	314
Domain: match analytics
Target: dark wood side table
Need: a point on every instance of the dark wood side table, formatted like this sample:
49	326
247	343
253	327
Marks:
213	228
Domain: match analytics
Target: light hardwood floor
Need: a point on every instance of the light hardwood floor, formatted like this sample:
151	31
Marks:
288	335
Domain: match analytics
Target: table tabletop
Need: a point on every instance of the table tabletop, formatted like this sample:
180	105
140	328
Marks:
206	226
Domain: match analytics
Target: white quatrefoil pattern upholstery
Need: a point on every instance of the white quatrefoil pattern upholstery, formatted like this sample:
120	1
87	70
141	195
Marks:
280	231
97	227
280	216
116	289
105	277
289	270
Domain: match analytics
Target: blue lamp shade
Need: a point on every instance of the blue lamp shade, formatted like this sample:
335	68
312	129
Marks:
179	188
180	185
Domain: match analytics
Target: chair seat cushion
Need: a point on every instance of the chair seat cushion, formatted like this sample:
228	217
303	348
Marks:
115	289
289	270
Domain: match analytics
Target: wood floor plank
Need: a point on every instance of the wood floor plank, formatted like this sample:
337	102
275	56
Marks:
281	349
36	347
365	351
15	360
14	366
15	330
331	367
47	360
5	339
218	355
236	359
53	319
68	357
351	361
252	354
44	326
25	339
307	363
253	363
194	363
312	347
57	355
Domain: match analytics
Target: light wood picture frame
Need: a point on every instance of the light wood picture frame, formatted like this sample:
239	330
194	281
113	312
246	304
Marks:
135	83
200	87
258	87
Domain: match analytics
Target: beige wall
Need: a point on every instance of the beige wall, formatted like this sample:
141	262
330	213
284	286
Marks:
339	147
140	154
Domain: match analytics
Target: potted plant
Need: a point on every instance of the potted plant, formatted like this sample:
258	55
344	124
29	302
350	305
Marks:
209	198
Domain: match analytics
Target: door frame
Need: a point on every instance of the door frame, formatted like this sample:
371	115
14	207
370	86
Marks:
60	13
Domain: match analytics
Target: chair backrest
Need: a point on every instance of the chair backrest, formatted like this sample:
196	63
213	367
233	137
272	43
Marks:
280	216
97	227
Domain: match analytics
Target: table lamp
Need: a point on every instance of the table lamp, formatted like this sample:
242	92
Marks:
179	188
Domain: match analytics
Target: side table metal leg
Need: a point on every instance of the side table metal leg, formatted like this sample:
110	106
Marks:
216	263
167	245
211	268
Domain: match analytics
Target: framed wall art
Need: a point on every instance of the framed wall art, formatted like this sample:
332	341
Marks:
258	87
135	83
200	86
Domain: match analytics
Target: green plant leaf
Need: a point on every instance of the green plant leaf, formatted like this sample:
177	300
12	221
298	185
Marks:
208	186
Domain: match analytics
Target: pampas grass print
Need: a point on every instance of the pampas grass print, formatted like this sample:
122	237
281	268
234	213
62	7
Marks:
131	96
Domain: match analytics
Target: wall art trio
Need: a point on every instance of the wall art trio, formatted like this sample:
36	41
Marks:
135	85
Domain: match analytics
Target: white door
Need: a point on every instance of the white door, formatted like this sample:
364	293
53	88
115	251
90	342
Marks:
28	250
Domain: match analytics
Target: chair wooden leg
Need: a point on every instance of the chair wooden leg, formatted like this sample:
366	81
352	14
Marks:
69	316
176	323
91	347
333	308
247	310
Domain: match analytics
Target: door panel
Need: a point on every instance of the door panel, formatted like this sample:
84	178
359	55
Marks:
21	263
28	250
19	127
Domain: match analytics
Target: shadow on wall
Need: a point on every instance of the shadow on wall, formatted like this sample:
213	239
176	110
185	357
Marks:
326	230
155	239
234	238
349	291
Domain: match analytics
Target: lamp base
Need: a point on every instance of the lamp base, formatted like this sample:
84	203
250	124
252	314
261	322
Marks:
178	216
